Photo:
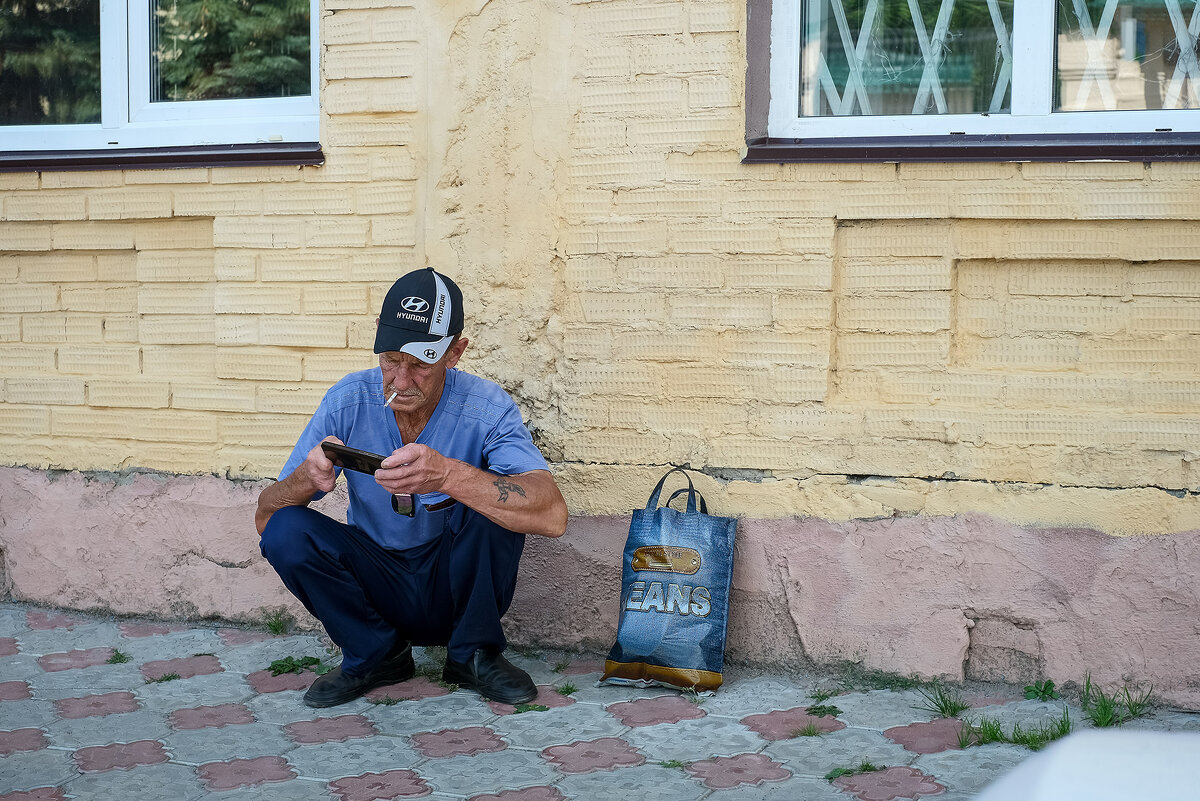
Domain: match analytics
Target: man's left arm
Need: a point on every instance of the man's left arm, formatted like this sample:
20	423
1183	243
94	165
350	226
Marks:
529	503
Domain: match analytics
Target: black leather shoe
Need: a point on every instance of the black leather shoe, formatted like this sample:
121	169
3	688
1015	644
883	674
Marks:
335	688
492	676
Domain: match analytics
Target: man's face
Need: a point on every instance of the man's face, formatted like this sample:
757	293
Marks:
419	385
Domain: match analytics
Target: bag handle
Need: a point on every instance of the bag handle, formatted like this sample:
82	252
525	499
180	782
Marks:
681	490
691	491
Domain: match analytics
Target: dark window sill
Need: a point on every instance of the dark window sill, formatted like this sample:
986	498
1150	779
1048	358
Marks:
150	158
1166	146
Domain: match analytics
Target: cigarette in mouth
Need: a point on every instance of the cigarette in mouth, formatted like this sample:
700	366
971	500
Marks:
391	398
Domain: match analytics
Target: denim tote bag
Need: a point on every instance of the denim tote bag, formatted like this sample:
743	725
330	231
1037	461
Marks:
675	578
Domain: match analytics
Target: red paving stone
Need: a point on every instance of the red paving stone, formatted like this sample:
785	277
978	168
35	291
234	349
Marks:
524	794
587	756
42	621
39	794
96	705
927	738
330	730
889	784
137	630
650	711
210	717
785	723
412	690
458	742
383	786
237	773
53	663
263	681
722	773
547	696
119	756
8	646
22	740
240	637
14	691
185	667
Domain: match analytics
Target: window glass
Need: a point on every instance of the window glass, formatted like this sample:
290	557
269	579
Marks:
1127	55
49	62
890	57
221	49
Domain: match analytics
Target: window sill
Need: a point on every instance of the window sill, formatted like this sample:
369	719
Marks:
987	147
245	155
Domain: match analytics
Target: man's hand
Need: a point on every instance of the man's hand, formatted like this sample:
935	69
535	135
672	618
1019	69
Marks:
315	474
414	469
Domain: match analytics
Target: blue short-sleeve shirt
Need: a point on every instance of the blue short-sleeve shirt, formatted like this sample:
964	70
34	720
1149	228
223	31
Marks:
475	421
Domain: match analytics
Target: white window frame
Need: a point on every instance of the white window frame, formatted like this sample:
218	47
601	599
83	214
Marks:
128	120
1032	93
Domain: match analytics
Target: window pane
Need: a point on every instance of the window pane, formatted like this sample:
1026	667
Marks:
906	57
49	62
1127	54
218	49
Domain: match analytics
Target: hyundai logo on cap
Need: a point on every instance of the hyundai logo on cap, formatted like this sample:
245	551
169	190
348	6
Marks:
415	304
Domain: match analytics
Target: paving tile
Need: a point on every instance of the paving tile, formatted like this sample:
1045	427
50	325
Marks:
228	742
816	756
653	711
9	646
414	689
643	781
890	784
609	694
74	659
1026	713
33	712
186	667
265	681
80	681
487	773
972	769
723	773
245	636
12	621
540	730
468	741
119	756
547	696
170	645
524	794
457	710
142	783
26	770
588	756
103	730
927	738
209	717
137	630
794	789
783	724
93	705
37	794
353	758
881	709
387	784
288	707
337	729
690	740
741	697
294	790
1166	720
81	637
259	656
167	696
25	739
234	774
41	620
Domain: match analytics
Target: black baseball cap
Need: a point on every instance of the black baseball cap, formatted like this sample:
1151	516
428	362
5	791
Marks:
420	316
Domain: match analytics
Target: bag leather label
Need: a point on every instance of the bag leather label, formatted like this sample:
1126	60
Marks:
666	559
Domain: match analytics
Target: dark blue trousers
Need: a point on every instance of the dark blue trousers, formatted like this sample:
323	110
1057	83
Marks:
451	591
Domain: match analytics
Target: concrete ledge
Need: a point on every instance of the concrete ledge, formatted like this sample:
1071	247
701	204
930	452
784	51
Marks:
956	596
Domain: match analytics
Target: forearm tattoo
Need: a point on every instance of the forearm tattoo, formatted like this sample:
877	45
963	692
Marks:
505	486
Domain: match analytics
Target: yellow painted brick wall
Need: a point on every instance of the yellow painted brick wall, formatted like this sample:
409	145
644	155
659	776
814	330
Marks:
647	298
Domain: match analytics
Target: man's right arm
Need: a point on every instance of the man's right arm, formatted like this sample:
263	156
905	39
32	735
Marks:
315	474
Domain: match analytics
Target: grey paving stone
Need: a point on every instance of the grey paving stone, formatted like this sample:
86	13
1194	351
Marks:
18	714
12	621
207	690
1027	714
816	756
794	789
81	636
125	727
455	711
558	726
693	740
288	707
20	666
491	772
971	769
88	680
142	783
294	790
754	696
881	709
249	657
1166	720
328	761
25	770
626	784
246	741
605	694
175	645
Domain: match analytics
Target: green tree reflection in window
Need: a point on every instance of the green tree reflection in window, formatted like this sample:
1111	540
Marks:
49	62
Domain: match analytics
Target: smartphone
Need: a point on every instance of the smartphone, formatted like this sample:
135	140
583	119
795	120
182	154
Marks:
366	462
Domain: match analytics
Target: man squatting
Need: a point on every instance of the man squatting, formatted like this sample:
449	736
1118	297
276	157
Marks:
446	575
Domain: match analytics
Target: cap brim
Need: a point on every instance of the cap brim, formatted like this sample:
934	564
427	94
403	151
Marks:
389	338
